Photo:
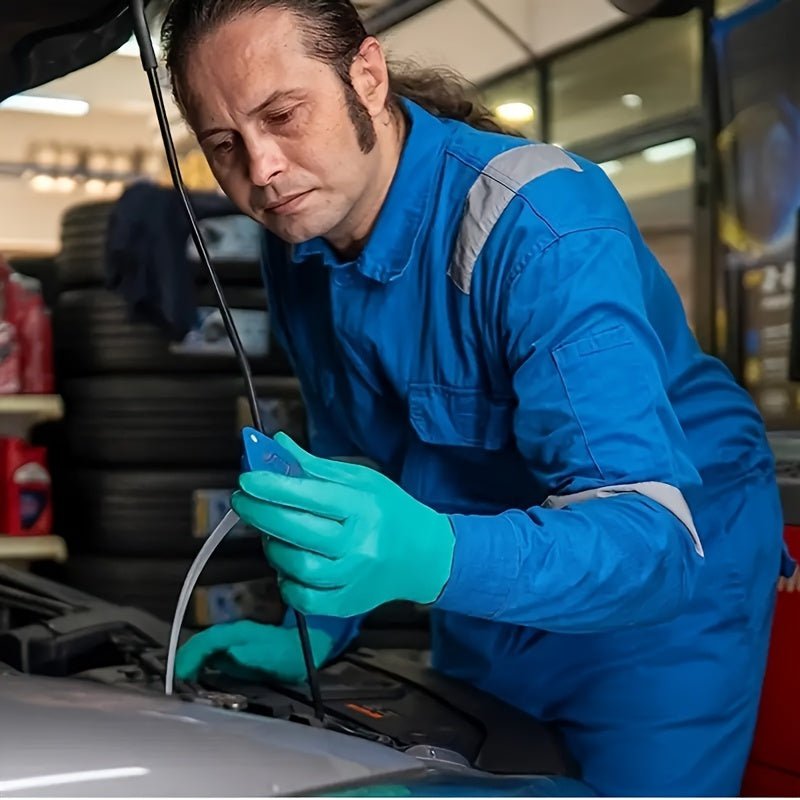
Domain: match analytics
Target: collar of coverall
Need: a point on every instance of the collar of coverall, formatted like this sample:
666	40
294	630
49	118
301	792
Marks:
400	226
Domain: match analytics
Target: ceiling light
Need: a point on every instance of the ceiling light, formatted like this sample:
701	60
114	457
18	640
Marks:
131	48
39	104
99	161
114	188
69	159
64	184
121	163
94	187
43	183
669	151
152	165
611	167
45	156
516	112
631	101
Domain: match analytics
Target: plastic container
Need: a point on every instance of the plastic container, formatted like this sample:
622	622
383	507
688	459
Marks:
25	310
10	366
25	489
36	337
774	766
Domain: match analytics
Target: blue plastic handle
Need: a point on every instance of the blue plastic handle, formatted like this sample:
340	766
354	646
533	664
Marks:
260	453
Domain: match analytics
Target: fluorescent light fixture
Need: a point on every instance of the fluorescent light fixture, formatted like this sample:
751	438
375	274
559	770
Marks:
64	778
611	167
669	151
131	48
516	112
632	101
39	104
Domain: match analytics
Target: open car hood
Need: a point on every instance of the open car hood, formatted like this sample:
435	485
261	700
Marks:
41	40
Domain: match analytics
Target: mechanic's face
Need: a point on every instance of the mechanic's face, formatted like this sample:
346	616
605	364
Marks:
275	127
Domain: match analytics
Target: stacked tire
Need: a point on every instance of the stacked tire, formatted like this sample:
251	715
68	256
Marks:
147	427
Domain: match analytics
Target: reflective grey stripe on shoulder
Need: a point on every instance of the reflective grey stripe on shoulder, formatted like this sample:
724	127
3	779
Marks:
664	494
495	188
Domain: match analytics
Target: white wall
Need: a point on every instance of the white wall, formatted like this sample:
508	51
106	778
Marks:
452	33
29	220
120	119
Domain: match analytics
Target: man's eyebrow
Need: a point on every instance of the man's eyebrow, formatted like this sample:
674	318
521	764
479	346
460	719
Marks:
209	132
280	94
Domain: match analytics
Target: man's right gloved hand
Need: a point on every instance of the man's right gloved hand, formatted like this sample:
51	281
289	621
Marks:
264	649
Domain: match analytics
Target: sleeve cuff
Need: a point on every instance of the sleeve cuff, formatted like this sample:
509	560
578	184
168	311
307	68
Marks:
485	566
788	564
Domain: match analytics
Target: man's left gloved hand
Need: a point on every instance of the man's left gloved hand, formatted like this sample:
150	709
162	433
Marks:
345	539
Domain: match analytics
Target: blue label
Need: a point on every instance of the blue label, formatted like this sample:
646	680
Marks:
32	503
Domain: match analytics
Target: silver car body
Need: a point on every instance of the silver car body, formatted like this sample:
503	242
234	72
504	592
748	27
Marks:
72	738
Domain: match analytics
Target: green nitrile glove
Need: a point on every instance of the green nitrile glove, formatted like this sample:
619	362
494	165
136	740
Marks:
255	648
345	539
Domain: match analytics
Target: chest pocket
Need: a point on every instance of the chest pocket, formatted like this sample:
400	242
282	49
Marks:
463	459
460	417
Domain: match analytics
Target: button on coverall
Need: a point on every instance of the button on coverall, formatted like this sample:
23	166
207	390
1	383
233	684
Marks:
508	350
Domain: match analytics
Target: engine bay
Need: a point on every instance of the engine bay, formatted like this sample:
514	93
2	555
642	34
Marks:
386	696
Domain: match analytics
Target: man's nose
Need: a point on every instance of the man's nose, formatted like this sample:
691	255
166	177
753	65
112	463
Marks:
266	161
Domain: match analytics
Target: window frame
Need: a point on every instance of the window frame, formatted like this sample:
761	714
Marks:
714	308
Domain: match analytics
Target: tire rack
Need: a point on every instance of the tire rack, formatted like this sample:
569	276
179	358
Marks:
144	429
126	505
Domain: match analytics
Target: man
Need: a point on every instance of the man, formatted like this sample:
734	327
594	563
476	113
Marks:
584	499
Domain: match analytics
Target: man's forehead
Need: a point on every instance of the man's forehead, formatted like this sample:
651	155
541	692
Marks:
249	60
266	34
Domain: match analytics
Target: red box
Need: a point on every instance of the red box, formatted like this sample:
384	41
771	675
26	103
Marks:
10	366
26	312
774	767
25	491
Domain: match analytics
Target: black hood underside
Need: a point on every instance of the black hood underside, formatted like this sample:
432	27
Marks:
41	40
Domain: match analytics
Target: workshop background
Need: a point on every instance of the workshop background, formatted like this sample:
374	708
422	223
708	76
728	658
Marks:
120	399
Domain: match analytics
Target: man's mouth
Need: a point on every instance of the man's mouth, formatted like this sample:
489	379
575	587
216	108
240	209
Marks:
286	205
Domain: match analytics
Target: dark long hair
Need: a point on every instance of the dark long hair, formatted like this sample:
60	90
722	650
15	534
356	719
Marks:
332	32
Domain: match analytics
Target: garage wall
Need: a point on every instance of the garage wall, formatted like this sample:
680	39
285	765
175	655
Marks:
29	219
457	33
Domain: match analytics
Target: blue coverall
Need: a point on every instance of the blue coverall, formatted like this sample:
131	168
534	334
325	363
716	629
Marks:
509	351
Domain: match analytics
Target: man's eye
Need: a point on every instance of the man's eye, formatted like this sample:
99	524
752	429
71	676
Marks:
223	148
282	118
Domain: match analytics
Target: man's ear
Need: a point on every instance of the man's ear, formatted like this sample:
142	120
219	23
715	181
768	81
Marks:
370	76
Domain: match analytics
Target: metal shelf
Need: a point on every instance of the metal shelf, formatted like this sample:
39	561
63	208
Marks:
32	548
20	412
